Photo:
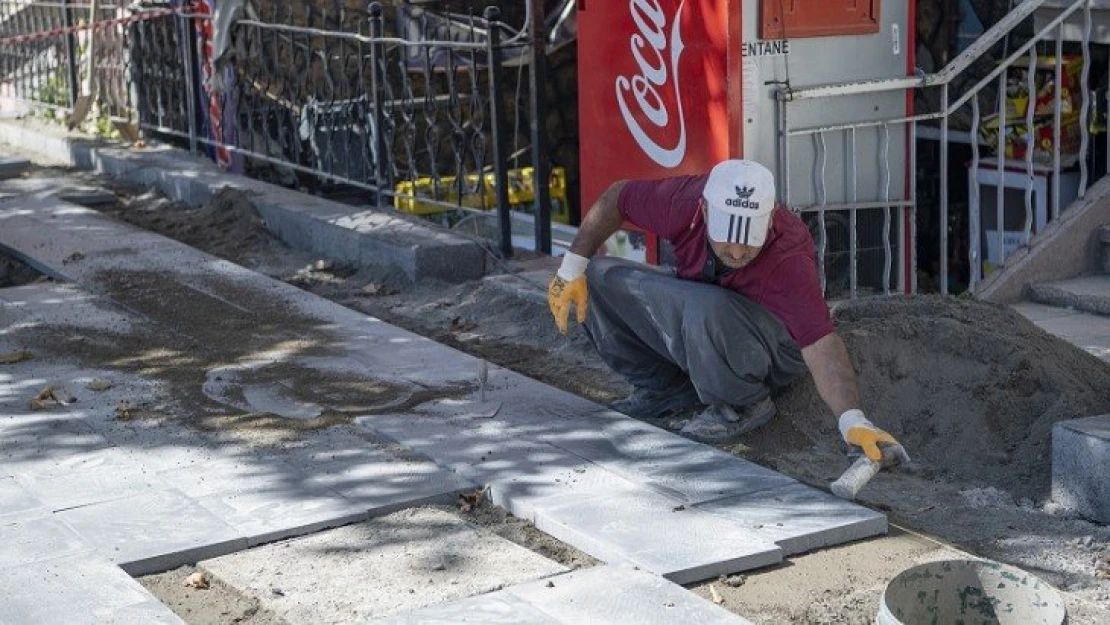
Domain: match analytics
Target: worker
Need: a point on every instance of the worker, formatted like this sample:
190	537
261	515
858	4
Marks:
740	316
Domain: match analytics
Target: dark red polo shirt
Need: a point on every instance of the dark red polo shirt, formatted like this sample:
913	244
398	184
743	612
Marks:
782	278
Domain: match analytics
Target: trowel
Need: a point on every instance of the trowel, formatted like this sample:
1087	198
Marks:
848	485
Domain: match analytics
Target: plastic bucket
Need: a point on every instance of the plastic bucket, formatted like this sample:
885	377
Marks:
970	592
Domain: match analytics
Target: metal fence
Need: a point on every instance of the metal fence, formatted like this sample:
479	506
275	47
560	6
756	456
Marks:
1035	66
424	110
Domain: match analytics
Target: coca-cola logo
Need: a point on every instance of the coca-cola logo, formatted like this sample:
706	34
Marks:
650	45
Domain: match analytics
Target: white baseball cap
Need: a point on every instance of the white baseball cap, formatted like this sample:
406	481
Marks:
740	198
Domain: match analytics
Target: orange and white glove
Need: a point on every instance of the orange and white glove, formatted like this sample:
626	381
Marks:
859	432
568	287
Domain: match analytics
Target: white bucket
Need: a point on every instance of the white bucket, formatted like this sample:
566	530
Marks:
969	592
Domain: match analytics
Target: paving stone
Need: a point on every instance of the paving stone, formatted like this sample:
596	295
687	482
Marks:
1081	466
84	479
271	515
380	568
14	499
639	526
36	539
31	441
663	461
13	167
383	484
618	595
798	518
231	471
495	608
78	590
154	531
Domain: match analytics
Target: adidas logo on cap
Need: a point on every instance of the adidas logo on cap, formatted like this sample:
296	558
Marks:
743	195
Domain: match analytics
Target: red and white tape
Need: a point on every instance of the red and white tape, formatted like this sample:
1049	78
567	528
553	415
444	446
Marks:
58	32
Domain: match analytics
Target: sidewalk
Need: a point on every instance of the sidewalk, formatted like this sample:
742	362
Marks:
92	489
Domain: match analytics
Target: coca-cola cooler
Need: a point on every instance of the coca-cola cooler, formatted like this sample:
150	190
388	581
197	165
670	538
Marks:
671	87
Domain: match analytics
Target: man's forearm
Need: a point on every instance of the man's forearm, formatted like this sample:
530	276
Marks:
602	220
833	375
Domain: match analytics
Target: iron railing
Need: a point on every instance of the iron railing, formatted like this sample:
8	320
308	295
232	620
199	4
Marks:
899	262
413	106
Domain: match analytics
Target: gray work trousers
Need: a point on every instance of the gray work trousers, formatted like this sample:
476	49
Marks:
658	330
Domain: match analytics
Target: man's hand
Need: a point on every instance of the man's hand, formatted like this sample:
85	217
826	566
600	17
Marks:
858	431
566	288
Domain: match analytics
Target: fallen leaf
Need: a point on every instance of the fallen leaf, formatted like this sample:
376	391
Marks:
73	258
197	580
470	501
45	399
11	358
123	410
717	598
732	581
458	325
98	384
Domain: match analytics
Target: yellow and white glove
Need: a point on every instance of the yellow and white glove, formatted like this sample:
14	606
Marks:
858	431
568	287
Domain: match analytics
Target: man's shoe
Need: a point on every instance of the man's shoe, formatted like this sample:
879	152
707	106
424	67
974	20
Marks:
646	403
721	423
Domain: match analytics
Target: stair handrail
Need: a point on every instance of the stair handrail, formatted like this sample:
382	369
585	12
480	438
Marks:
947	74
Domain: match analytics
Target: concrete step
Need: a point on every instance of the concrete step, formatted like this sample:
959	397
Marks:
1088	332
1087	294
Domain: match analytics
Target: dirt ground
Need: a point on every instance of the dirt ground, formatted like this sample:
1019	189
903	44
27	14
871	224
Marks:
971	389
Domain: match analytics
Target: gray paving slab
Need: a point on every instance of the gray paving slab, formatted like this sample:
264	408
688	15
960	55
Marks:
673	465
14	499
153	531
212	471
1081	466
495	608
13	166
70	481
380	568
798	518
1037	312
620	595
34	539
383	484
28	442
641	527
63	188
78	590
263	517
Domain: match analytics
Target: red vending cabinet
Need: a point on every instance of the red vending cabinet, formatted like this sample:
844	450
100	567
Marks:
659	95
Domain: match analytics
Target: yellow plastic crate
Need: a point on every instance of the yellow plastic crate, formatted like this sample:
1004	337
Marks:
521	193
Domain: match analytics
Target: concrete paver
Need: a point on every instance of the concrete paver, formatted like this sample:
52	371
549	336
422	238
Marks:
153	531
265	516
798	518
1081	466
14	499
71	481
1087	293
78	590
640	527
383	567
605	594
620	595
37	538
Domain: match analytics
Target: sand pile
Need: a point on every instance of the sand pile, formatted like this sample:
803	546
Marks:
972	389
228	225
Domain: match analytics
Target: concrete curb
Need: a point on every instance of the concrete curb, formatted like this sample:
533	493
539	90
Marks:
1087	295
335	231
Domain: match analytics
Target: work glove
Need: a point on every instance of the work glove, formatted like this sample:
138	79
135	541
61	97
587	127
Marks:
567	287
859	432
